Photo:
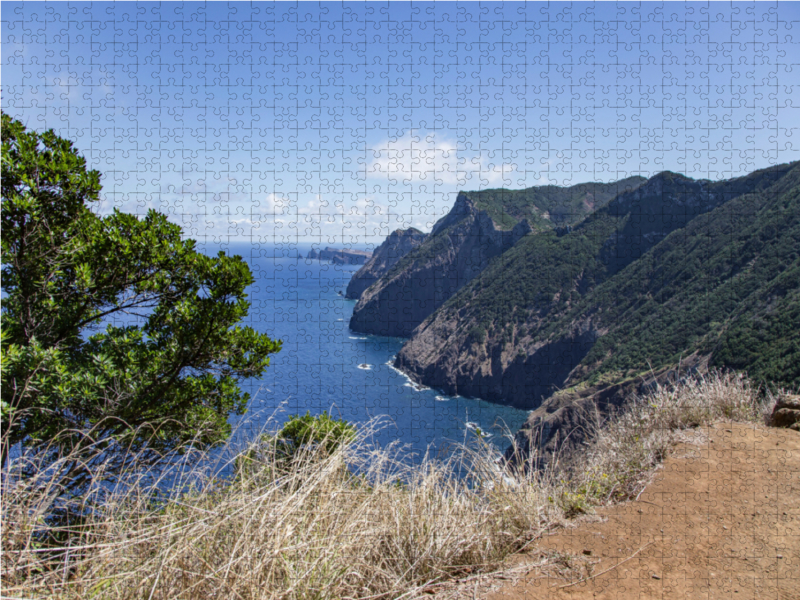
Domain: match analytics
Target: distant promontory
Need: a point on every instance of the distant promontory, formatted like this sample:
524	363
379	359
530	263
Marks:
340	256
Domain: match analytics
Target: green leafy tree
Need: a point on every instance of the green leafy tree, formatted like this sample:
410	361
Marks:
67	369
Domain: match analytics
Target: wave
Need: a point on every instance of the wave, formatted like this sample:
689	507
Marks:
365	367
356	338
417	387
476	427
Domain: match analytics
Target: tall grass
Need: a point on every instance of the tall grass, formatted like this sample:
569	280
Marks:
624	450
355	522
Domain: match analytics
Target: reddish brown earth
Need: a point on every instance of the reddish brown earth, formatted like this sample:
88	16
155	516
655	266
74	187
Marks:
721	519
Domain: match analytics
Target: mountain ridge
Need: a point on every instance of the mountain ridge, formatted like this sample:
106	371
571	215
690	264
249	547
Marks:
462	244
668	279
497	340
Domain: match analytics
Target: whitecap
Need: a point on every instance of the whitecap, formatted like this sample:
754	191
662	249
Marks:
365	367
442	399
417	387
356	338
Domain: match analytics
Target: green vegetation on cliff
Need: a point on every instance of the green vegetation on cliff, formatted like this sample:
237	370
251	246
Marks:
549	205
674	268
727	285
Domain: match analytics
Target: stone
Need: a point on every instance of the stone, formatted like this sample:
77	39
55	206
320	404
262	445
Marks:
786	412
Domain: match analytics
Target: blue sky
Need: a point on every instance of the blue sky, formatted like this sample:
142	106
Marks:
338	123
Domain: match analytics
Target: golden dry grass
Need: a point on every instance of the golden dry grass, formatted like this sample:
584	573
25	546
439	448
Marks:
317	530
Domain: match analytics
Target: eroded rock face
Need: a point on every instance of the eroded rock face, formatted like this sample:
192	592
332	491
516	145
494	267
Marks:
387	255
786	413
459	248
490	370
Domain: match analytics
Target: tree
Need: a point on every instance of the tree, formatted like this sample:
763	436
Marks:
67	368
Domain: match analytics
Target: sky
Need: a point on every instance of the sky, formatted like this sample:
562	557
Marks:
337	123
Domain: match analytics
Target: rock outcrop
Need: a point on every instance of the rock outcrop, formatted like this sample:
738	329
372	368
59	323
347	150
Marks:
458	249
567	419
786	412
387	255
341	257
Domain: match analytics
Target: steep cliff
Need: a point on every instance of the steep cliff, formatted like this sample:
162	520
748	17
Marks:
388	254
676	272
481	226
460	246
637	284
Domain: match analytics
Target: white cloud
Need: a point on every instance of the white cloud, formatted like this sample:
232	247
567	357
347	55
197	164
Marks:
429	157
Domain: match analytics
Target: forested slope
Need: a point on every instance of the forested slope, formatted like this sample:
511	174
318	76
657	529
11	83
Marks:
672	268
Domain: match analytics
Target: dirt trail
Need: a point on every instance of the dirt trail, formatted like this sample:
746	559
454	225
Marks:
720	520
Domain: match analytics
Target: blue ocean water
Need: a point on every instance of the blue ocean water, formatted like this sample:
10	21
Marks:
323	366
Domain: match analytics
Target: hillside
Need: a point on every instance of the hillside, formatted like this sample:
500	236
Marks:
550	205
672	268
481	226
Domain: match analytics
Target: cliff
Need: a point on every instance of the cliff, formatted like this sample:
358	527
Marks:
677	268
459	248
387	255
481	226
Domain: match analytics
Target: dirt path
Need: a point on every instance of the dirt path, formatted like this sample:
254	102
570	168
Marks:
720	520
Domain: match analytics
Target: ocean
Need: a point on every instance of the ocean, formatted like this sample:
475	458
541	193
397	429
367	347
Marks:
323	366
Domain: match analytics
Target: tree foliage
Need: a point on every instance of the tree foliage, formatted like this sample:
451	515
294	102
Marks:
73	282
322	430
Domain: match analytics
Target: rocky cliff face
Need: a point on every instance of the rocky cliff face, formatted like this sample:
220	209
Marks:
387	255
487	343
458	249
525	327
675	269
566	419
481	226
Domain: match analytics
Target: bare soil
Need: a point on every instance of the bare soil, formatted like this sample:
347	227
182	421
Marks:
721	519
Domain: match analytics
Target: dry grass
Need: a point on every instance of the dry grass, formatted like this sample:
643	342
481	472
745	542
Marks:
619	461
317	530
